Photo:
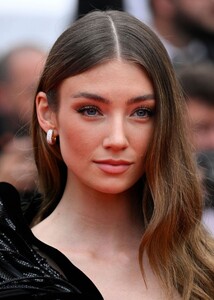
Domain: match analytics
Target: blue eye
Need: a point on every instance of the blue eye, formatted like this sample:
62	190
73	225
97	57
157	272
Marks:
143	113
89	111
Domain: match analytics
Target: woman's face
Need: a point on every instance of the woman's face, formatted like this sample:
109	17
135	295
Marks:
105	122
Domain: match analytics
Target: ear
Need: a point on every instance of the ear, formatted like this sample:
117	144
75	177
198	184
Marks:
46	116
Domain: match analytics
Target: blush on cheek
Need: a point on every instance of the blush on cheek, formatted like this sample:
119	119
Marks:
75	146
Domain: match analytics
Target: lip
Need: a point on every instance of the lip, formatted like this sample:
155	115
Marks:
112	166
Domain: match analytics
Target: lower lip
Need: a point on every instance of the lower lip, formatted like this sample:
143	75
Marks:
113	169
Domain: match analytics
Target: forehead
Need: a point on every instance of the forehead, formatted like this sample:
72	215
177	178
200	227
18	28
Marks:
114	75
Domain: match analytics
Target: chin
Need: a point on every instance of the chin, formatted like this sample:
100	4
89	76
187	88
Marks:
112	190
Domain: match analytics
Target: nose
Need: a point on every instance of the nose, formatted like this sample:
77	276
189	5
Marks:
116	138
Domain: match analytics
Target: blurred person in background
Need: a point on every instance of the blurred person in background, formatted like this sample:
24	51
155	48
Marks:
139	9
186	28
20	69
19	72
206	163
197	82
17	167
6	124
85	6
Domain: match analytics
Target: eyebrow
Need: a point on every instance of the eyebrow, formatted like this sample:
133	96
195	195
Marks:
141	98
106	101
91	96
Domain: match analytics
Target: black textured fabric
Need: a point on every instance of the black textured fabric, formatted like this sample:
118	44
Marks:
25	271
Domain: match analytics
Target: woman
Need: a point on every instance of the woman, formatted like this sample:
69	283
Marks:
122	202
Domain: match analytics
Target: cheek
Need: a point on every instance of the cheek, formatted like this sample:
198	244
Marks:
141	144
143	138
76	141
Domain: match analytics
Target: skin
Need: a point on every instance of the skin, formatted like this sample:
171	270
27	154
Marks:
172	19
96	224
202	121
199	12
25	68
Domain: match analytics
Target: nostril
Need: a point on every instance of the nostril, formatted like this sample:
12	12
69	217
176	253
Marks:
115	142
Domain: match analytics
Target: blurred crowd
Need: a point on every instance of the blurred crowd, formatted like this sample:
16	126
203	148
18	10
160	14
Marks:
185	27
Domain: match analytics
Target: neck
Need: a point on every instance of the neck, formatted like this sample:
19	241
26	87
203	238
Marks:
99	219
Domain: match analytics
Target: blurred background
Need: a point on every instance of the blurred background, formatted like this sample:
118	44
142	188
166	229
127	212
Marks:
36	21
41	21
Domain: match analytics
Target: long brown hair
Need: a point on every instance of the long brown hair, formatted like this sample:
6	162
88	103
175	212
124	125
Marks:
179	249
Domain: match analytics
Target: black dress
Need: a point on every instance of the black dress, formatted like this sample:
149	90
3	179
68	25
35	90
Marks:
30	269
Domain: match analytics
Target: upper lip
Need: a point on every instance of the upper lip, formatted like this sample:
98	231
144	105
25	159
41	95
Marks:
113	162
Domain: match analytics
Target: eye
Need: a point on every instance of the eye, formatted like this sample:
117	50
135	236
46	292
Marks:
89	111
143	112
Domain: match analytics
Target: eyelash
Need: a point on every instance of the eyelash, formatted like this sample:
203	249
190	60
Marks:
85	110
149	112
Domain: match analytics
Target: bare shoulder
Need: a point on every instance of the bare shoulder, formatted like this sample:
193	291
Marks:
43	231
